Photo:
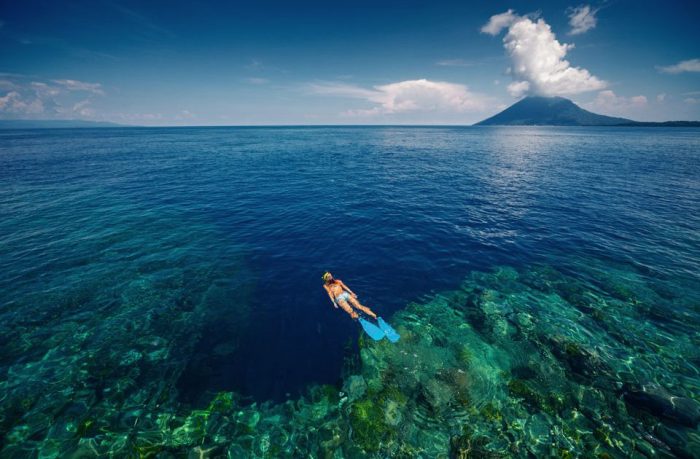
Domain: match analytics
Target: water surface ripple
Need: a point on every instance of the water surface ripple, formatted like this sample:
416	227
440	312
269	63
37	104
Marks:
236	226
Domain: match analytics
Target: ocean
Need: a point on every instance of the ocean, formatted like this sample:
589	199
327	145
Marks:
161	292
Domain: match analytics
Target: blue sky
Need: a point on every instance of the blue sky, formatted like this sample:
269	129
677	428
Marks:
355	62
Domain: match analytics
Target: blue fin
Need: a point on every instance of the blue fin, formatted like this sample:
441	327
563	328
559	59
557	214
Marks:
391	334
372	330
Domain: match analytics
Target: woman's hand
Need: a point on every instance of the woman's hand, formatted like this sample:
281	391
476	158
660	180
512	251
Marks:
353	295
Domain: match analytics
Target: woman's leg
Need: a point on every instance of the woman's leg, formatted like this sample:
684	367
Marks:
365	309
346	307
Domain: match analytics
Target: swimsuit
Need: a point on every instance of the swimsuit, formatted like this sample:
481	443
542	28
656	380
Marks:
343	296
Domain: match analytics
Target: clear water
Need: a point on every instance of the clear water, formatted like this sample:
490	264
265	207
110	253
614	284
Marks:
160	292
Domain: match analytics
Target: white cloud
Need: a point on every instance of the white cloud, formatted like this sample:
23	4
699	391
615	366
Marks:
609	103
518	88
75	85
13	103
83	108
407	96
538	64
582	19
53	99
44	90
692	101
661	97
499	22
691	65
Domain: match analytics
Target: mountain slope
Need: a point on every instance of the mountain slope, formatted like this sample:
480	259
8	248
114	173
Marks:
550	111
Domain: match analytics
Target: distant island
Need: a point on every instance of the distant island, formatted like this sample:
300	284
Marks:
42	124
558	111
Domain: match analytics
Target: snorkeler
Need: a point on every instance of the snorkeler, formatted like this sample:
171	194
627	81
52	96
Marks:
341	295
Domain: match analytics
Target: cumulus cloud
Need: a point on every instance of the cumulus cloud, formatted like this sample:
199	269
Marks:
407	96
538	59
609	103
582	19
499	22
53	99
691	65
518	88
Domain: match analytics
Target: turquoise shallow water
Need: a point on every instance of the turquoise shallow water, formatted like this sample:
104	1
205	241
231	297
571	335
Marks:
160	292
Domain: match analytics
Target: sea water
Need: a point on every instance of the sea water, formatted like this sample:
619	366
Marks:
160	292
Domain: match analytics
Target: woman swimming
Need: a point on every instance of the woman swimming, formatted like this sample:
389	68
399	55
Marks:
341	295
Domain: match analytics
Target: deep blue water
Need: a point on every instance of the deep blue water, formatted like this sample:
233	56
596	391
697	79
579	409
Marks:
249	218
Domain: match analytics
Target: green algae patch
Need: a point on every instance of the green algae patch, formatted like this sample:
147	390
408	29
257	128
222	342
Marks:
549	403
368	425
223	402
374	418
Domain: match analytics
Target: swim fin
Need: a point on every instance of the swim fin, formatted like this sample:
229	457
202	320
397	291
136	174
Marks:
372	330
390	333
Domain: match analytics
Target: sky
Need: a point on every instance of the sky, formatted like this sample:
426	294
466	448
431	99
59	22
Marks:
170	63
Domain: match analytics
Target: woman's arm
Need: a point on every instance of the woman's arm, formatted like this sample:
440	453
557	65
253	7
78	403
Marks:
330	295
345	287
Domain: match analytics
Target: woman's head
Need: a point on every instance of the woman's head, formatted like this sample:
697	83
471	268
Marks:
327	277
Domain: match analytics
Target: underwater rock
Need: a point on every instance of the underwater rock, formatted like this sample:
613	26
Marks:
355	387
130	358
550	403
471	306
659	402
579	360
538	429
392	413
437	394
469	445
683	443
524	320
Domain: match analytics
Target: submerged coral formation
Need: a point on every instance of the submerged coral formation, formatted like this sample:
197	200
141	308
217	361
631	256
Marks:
514	363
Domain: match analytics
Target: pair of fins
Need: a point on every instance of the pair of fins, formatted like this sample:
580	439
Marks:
378	332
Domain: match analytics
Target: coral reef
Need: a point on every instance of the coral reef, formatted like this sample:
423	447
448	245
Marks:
514	363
